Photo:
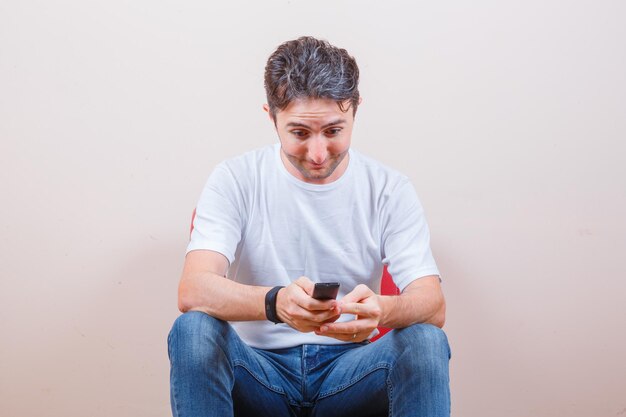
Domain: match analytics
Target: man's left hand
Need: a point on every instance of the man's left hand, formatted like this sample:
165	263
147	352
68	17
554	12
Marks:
364	304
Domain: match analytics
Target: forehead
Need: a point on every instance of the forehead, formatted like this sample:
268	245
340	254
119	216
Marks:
314	111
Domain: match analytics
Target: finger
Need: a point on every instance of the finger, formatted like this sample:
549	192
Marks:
359	293
354	338
312	304
306	301
319	319
339	336
357	336
306	317
360	309
297	293
348	327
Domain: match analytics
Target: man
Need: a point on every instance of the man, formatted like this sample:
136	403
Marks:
252	341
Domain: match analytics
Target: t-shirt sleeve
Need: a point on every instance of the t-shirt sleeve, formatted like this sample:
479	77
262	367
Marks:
219	220
406	237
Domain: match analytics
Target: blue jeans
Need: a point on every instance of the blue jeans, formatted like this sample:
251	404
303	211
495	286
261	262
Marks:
214	373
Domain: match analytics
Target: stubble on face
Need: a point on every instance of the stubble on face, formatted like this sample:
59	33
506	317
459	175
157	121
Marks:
313	173
310	148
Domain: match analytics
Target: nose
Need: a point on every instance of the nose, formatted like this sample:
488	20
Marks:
318	149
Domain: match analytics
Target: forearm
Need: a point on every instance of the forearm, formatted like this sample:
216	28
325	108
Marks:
221	297
228	300
417	304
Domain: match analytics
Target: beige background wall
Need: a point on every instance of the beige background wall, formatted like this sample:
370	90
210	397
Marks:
507	115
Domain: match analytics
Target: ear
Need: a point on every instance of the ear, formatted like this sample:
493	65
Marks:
360	100
266	108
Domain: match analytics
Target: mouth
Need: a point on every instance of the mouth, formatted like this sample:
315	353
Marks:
317	166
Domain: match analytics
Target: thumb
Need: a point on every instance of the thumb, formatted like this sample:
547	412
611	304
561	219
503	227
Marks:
306	284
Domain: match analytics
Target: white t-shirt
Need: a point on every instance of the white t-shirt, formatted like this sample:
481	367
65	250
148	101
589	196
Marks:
274	228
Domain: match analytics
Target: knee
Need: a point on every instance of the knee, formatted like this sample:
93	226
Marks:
195	334
425	343
194	324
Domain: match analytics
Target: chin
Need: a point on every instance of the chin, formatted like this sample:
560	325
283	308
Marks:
316	177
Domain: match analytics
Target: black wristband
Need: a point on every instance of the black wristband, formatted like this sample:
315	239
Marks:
270	305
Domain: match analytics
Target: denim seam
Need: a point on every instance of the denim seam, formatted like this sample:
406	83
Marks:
175	406
259	380
390	395
353	381
175	400
303	371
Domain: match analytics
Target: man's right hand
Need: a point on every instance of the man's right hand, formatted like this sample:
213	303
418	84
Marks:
296	307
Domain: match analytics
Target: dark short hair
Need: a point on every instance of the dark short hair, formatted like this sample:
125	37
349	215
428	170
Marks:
310	68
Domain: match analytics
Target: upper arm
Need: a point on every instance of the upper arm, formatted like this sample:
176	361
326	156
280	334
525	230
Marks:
199	269
205	261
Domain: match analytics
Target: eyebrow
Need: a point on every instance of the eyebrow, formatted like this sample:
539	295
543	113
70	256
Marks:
333	123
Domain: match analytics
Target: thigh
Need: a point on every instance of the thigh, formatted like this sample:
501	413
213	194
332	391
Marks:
215	373
419	379
388	374
366	397
264	383
356	384
253	398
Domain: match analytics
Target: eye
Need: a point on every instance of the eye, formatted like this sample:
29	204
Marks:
332	132
300	134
